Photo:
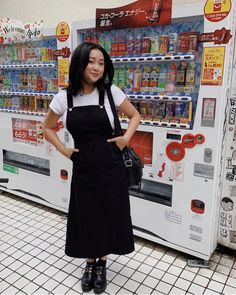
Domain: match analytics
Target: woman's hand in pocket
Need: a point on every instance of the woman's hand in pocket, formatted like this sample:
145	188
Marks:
69	151
120	141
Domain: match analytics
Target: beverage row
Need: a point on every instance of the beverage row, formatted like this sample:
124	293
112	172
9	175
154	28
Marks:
36	80
150	110
138	42
25	103
164	111
153	79
28	52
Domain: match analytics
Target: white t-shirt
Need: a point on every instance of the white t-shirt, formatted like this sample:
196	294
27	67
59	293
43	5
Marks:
59	102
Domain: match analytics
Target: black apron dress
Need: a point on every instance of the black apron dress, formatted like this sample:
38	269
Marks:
99	221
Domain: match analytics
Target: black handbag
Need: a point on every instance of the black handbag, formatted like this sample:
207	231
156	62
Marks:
133	163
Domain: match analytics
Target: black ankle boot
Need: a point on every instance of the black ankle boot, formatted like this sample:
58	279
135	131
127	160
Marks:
100	280
88	277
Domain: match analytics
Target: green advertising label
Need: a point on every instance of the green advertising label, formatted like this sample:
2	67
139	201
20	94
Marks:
11	169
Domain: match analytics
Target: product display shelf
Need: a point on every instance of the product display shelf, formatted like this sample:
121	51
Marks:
159	58
159	123
28	65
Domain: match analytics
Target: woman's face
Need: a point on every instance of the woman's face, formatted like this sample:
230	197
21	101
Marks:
95	68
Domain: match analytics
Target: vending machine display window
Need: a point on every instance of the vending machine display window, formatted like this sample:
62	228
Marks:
157	67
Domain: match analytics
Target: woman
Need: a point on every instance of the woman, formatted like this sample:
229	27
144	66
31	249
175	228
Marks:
99	220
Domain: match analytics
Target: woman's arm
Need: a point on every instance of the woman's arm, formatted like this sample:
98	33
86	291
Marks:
134	119
51	135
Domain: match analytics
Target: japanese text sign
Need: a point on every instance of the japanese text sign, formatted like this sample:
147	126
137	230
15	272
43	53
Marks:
137	14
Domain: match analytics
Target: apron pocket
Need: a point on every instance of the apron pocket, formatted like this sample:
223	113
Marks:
74	157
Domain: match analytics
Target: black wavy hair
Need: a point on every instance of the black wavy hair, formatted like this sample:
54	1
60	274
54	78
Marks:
80	60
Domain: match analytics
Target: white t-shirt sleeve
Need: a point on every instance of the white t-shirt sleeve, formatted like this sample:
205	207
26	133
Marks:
59	103
118	95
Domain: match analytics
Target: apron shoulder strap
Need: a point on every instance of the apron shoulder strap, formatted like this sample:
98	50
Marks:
69	99
101	91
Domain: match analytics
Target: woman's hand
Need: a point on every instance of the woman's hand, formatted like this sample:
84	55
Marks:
67	152
120	141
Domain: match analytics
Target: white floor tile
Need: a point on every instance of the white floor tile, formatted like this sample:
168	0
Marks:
215	286
10	290
50	285
112	288
227	290
41	279
196	289
219	277
231	282
143	290
12	278
138	276
60	290
188	275
3	285
163	287
182	284
144	268
120	280
21	283
131	286
200	280
70	281
169	278
30	288
151	282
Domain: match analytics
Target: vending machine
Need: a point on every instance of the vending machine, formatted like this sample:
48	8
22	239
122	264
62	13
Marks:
31	72
178	75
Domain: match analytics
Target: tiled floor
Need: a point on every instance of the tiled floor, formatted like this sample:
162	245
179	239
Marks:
32	260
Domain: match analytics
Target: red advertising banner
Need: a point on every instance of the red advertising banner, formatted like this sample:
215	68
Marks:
137	14
27	131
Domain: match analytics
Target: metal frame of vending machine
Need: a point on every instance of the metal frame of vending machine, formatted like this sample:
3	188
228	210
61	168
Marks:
34	168
182	130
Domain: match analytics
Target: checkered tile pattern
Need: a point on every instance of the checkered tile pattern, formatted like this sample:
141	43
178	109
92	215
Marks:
32	260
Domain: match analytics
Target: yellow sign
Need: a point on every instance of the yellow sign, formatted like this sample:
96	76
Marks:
213	65
63	72
62	31
217	10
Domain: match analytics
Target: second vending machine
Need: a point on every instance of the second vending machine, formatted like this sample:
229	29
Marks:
177	75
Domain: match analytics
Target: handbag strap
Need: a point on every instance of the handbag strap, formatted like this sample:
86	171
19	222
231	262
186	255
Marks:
118	129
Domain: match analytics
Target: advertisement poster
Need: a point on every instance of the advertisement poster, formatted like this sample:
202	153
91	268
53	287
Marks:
213	65
137	14
62	31
217	10
14	30
63	72
27	131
